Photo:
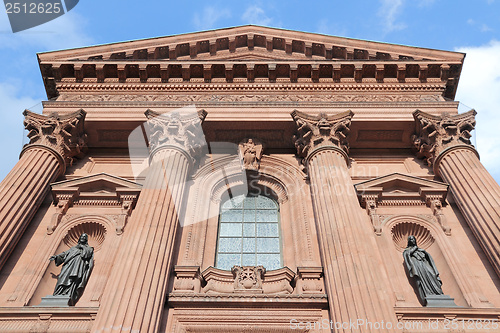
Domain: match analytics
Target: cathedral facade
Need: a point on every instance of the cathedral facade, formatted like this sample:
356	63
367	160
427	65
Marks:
250	179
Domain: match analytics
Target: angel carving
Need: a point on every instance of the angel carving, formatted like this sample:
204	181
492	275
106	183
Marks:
250	153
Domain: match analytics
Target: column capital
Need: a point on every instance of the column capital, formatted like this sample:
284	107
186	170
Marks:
438	135
176	130
63	135
317	133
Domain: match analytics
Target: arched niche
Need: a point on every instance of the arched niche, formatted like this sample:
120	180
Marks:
431	238
101	234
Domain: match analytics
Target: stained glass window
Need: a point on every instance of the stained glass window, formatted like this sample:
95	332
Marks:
249	233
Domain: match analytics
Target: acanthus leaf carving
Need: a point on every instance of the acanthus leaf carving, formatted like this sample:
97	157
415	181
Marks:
176	129
321	130
64	134
437	133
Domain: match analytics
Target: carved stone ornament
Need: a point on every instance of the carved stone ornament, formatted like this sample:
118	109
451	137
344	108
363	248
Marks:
321	130
248	277
181	129
248	280
64	134
437	133
250	151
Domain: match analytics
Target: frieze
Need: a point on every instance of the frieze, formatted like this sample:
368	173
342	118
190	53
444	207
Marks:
248	98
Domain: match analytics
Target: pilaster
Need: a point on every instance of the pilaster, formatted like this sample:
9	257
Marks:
352	272
444	142
54	141
136	290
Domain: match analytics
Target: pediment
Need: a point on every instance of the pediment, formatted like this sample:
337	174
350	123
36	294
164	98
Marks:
250	53
250	37
399	186
96	186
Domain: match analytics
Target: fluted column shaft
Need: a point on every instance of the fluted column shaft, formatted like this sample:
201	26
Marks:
54	141
136	291
21	193
477	195
353	281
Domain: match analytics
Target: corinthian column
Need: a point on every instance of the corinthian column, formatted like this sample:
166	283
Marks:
444	142
135	294
355	283
54	141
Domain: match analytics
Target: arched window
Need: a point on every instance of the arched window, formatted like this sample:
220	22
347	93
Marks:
249	233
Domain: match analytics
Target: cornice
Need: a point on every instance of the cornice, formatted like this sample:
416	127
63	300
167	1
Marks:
247	86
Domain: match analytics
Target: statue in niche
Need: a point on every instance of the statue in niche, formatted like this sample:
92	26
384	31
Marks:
77	263
422	270
250	153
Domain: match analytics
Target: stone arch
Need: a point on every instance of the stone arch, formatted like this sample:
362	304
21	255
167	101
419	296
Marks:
285	180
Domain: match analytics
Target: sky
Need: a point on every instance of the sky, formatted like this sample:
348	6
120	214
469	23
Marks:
466	26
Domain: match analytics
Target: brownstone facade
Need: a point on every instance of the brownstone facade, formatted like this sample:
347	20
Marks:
250	180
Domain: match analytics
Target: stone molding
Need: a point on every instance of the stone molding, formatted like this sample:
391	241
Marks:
36	319
176	130
437	134
321	131
63	134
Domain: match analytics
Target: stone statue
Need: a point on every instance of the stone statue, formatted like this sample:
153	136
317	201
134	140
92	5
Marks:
77	263
251	153
422	269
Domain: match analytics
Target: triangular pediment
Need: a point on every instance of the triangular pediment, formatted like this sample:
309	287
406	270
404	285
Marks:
100	185
251	53
208	43
401	186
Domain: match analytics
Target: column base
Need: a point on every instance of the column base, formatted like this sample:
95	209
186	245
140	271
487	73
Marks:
54	301
440	301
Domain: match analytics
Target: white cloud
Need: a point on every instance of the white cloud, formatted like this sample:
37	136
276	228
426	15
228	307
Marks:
479	88
11	124
389	11
210	15
256	15
64	32
482	27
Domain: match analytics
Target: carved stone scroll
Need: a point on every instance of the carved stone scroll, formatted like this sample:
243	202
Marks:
369	201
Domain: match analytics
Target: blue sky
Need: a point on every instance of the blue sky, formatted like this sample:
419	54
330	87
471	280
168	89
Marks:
467	26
